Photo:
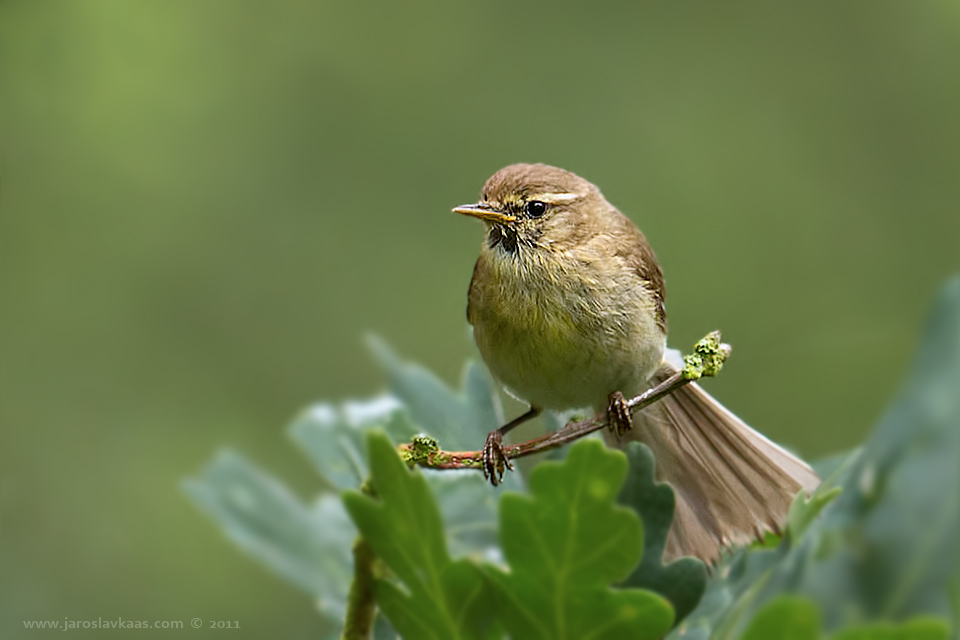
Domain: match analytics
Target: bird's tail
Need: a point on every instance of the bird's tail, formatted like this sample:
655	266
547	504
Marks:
731	483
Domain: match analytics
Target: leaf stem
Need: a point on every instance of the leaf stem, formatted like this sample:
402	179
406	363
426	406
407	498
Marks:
361	604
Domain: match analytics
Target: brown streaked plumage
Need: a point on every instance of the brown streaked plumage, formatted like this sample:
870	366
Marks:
567	303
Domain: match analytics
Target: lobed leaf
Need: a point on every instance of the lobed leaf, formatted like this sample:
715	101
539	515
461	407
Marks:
565	544
437	598
309	546
334	438
683	581
459	421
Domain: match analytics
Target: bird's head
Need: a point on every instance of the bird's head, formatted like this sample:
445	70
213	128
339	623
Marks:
536	206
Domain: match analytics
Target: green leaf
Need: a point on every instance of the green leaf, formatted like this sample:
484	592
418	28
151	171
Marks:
915	629
786	618
459	421
683	581
565	545
468	505
830	466
334	436
895	525
886	547
804	509
309	546
439	598
741	581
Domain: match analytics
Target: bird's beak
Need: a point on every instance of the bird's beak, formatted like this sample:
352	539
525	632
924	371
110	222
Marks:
484	212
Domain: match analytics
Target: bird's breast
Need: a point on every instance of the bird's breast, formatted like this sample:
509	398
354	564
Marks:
560	330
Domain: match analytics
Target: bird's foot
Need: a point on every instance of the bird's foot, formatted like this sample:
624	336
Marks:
618	413
495	461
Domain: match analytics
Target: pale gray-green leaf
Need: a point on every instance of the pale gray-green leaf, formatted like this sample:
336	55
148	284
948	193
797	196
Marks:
334	436
307	545
460	421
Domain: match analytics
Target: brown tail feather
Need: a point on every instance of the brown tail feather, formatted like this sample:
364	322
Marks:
731	483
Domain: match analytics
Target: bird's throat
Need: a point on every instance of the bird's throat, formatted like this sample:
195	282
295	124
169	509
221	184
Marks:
503	238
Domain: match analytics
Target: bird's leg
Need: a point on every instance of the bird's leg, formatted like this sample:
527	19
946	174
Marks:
618	413
494	459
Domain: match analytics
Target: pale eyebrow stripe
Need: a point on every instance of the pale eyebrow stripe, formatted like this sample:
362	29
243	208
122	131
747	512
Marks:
555	198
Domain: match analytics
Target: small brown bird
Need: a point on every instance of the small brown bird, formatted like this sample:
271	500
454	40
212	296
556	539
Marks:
567	308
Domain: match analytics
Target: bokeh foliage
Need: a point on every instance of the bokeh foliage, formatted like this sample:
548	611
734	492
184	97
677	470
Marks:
202	204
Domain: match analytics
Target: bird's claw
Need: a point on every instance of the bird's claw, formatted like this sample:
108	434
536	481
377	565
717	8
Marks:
618	413
495	460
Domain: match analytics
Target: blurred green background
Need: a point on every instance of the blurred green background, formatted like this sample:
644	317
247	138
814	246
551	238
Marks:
203	205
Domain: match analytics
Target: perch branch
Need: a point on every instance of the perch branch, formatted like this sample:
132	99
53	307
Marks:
706	360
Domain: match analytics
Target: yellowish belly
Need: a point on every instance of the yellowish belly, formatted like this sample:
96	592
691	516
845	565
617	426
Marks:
566	347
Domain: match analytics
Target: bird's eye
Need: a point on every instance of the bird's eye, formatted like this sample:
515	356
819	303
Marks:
535	208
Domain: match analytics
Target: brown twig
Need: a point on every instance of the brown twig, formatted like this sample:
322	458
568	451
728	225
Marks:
706	360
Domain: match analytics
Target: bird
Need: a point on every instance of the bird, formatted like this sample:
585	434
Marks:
567	306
